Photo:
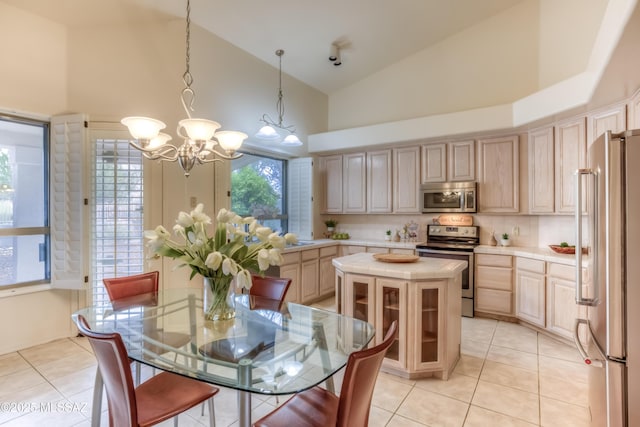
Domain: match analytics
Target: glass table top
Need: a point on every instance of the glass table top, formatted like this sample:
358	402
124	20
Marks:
264	349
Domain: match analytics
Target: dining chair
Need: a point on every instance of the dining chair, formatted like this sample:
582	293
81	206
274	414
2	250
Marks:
127	287
273	288
163	396
318	407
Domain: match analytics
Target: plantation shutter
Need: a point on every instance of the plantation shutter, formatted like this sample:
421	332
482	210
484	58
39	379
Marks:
66	201
300	197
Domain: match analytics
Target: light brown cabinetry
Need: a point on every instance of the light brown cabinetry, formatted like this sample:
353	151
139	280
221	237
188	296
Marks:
391	295
309	275
327	270
498	174
494	284
290	269
570	155
354	183
612	117
379	182
331	173
530	291
428	315
633	119
541	171
406	167
448	162
562	309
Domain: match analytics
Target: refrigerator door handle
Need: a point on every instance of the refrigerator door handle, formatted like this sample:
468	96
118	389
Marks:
593	250
596	363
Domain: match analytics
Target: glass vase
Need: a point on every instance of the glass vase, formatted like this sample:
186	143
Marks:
219	302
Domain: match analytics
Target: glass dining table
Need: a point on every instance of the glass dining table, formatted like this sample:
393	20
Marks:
268	348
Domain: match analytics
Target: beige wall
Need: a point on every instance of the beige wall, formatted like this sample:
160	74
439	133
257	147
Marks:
546	42
109	72
33	74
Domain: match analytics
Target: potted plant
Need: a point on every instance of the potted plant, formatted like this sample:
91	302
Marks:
388	235
331	224
504	241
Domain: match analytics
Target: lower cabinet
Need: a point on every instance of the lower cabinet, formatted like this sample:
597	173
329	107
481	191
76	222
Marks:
429	321
530	291
562	309
290	269
494	284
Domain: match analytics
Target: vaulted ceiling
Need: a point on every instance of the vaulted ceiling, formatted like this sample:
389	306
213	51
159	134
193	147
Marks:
373	33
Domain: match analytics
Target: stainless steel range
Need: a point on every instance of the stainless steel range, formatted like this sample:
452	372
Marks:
454	242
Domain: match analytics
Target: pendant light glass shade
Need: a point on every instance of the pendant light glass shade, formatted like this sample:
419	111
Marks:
230	140
292	141
143	128
198	129
268	133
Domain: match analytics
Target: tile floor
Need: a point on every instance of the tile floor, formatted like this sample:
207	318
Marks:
508	375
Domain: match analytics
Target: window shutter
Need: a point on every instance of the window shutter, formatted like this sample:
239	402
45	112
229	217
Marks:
66	201
300	209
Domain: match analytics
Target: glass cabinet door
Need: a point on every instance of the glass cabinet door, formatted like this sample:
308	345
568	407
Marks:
429	325
361	299
392	306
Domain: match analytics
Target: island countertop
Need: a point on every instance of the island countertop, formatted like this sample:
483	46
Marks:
422	269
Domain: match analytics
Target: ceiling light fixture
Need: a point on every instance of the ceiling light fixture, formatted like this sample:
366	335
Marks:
267	132
335	56
199	145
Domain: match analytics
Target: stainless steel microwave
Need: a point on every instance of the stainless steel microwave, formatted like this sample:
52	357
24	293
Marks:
449	197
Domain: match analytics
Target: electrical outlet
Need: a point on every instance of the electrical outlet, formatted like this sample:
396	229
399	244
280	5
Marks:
193	201
515	231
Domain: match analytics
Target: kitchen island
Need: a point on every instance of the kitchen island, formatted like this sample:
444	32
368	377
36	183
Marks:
423	296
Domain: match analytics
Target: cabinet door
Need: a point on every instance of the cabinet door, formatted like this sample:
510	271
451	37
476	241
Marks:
327	274
292	271
360	297
340	301
406	167
309	280
354	183
530	300
392	306
461	164
331	171
498	174
570	155
613	118
434	163
541	171
562	309
427	338
379	182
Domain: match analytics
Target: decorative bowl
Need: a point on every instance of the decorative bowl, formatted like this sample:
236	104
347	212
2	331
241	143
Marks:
569	250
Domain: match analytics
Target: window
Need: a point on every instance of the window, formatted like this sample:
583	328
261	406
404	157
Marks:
24	222
117	226
258	189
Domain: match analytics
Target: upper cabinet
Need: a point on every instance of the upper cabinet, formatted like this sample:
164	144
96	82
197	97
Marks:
447	162
555	153
613	118
541	171
406	167
570	155
379	181
633	107
331	177
498	175
354	183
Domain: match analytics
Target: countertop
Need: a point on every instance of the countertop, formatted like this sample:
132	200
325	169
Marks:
543	254
423	268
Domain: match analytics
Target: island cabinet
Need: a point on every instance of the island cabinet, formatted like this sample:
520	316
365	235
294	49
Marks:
423	297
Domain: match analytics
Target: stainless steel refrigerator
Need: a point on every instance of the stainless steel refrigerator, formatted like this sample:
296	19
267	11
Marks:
609	190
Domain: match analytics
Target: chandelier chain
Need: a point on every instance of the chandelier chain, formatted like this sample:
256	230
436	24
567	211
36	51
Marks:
187	78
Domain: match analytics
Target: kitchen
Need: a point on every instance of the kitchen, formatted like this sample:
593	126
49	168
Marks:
66	80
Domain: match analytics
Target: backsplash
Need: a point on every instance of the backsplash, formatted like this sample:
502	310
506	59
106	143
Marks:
524	230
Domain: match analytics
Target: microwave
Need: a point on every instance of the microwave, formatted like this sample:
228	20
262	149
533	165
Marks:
449	197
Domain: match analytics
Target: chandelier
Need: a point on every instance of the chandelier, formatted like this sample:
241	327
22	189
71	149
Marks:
199	145
267	132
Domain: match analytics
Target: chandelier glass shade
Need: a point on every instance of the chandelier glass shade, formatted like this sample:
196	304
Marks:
201	141
268	132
